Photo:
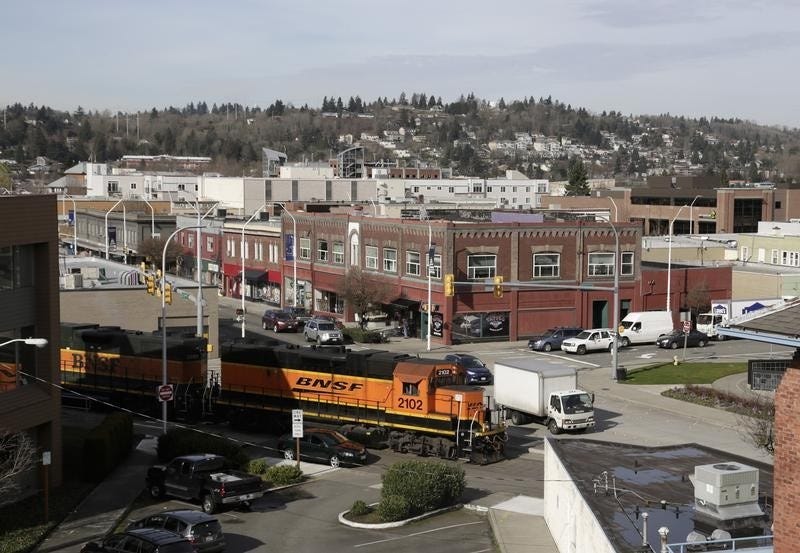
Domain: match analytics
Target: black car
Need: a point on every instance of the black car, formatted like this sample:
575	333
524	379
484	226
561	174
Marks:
552	338
677	338
279	321
202	530
300	314
141	539
476	371
324	446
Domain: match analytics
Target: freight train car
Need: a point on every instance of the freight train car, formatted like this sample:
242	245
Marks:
125	367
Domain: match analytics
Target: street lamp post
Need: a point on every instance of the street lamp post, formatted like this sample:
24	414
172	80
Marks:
74	222
38	342
164	321
106	218
669	260
617	264
242	287
429	268
152	218
691	215
294	248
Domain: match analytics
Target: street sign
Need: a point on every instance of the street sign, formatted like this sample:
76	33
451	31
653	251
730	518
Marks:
297	423
687	326
164	392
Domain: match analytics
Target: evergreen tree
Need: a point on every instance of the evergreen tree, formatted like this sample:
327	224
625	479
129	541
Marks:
578	178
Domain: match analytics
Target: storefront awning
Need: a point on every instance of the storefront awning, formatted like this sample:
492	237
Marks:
405	303
253	275
274	277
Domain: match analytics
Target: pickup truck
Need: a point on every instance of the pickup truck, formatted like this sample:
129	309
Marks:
206	478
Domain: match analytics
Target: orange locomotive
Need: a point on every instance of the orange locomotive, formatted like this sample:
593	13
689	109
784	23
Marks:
411	404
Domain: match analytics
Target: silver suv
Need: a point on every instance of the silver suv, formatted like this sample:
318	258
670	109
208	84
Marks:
322	332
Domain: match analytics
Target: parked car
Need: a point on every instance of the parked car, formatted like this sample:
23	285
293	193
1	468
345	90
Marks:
477	372
676	339
202	530
322	332
205	477
327	318
279	321
552	338
323	445
300	314
141	539
596	339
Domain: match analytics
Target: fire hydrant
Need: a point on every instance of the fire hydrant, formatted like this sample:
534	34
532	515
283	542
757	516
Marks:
675	360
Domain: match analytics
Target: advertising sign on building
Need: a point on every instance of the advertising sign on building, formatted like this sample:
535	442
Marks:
437	325
289	241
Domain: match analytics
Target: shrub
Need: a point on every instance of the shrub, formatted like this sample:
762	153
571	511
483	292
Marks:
185	442
106	445
282	475
393	507
359	508
257	466
426	485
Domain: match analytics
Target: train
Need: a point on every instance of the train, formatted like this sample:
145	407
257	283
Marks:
379	398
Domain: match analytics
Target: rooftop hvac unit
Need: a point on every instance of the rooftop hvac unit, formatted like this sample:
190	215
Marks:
727	490
73	281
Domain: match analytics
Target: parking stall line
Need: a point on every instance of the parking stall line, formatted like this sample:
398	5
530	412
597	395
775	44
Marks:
418	534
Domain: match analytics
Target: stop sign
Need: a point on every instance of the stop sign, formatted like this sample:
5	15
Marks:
165	392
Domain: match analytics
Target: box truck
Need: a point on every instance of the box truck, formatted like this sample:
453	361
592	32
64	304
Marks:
534	390
641	327
724	310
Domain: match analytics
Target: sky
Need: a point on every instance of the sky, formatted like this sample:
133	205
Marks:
725	58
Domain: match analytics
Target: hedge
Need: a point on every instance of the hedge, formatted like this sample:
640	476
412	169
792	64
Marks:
426	485
187	442
394	507
106	445
364	336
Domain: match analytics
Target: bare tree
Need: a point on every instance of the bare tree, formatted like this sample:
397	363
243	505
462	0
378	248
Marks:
153	248
756	422
363	291
17	456
698	300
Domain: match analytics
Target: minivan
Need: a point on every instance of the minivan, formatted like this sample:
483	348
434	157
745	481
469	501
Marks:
640	327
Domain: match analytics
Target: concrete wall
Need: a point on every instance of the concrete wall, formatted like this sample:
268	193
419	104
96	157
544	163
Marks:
571	521
134	309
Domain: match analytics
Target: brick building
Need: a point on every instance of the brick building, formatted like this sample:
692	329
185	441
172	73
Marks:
578	255
29	296
263	254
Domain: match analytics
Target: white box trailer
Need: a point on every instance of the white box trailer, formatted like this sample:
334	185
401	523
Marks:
533	389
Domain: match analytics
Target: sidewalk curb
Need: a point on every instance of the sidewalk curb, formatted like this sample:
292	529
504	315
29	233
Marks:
396	524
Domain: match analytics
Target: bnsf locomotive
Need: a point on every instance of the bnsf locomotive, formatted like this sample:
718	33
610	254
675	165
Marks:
411	404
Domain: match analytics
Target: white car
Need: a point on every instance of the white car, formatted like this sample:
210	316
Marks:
596	339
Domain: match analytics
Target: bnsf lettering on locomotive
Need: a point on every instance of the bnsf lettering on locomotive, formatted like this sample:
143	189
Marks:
339	385
94	363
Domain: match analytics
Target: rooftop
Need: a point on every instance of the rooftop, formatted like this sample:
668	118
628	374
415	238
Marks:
619	482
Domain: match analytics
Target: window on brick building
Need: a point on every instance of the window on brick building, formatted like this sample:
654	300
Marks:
601	264
481	266
322	250
304	251
390	260
412	263
371	257
546	265
338	253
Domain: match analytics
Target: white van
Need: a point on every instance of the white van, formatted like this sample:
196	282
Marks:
644	326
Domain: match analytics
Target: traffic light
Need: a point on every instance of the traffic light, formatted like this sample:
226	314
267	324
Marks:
168	293
150	281
449	285
498	287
